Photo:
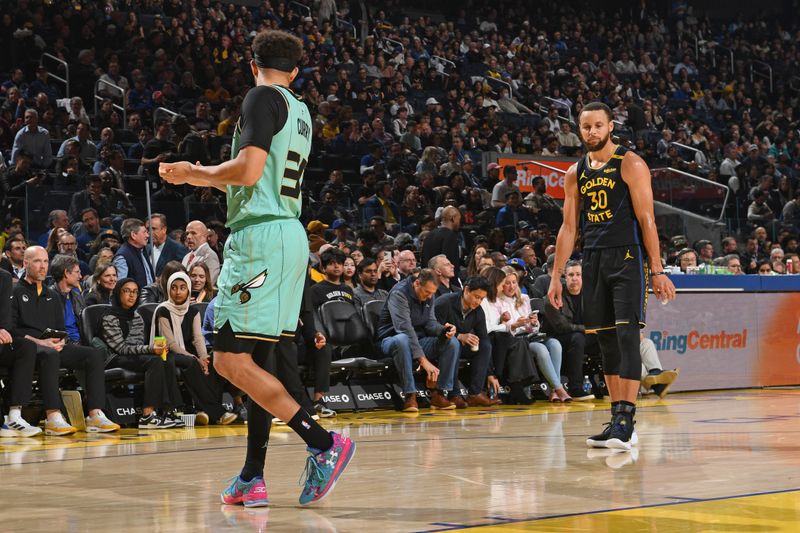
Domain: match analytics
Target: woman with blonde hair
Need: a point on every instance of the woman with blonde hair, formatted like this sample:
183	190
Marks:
523	321
429	162
513	362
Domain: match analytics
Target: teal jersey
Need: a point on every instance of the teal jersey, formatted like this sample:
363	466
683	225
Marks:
273	119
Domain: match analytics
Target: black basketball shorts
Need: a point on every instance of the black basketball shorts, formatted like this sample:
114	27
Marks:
614	287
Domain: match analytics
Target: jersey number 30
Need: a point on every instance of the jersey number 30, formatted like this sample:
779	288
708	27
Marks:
599	200
291	177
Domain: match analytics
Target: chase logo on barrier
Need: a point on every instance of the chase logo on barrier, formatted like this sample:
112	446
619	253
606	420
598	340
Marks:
695	340
338	398
374	396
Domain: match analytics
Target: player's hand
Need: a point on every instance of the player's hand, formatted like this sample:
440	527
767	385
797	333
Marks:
663	288
5	337
175	173
554	292
203	364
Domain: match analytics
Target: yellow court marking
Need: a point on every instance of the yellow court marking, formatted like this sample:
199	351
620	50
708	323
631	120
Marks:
774	512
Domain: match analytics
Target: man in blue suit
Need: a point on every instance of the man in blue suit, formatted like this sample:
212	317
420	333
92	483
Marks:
164	248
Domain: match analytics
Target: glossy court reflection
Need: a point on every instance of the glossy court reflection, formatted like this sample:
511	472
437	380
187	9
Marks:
707	461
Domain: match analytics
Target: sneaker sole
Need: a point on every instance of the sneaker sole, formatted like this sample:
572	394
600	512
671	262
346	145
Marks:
616	444
411	410
448	408
100	430
13	433
256	503
52	433
336	475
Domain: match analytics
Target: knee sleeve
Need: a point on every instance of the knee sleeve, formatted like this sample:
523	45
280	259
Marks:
631	358
609	349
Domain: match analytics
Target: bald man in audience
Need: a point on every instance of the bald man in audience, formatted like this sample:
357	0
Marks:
196	240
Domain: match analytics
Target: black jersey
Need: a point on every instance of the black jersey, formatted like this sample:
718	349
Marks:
607	216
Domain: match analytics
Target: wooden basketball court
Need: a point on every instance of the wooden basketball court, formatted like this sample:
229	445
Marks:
720	461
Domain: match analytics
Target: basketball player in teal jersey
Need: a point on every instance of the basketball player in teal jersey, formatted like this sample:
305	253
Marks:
609	191
266	256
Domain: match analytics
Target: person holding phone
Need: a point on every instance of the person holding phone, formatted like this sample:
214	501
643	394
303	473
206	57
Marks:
521	320
388	269
35	309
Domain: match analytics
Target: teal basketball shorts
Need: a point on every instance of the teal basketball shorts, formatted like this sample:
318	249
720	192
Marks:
260	285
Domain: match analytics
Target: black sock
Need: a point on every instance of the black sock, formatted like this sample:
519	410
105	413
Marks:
626	408
258	425
614	407
311	432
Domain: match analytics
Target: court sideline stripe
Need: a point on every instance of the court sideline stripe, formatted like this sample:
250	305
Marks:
500	437
613	510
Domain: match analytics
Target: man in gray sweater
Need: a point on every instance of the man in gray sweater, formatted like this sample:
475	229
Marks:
409	332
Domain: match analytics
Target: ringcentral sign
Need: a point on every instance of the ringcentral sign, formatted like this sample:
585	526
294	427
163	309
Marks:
531	167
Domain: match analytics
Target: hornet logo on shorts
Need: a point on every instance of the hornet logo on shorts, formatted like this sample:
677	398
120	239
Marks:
254	283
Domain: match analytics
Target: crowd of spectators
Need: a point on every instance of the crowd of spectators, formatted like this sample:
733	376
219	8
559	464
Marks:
404	108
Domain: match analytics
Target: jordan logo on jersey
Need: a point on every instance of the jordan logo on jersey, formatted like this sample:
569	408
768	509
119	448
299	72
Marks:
244	288
628	255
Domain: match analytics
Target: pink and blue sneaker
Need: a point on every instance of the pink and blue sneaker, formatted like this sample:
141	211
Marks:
251	493
324	468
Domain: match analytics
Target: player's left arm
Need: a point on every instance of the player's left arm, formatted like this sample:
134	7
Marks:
636	175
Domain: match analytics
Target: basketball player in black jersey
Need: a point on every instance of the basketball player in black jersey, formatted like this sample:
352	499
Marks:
610	193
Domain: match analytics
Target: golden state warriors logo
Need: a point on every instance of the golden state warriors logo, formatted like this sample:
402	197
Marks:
244	288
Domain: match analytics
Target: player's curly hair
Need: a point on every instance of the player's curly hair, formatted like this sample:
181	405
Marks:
277	49
598	106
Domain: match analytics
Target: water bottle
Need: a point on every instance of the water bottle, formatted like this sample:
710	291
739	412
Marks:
587	386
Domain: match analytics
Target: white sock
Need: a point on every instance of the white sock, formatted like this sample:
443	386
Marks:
14	413
55	417
99	413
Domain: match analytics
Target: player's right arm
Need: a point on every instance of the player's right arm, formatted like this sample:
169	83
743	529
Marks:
245	169
565	242
264	113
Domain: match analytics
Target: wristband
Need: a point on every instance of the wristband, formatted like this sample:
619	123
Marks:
654	274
